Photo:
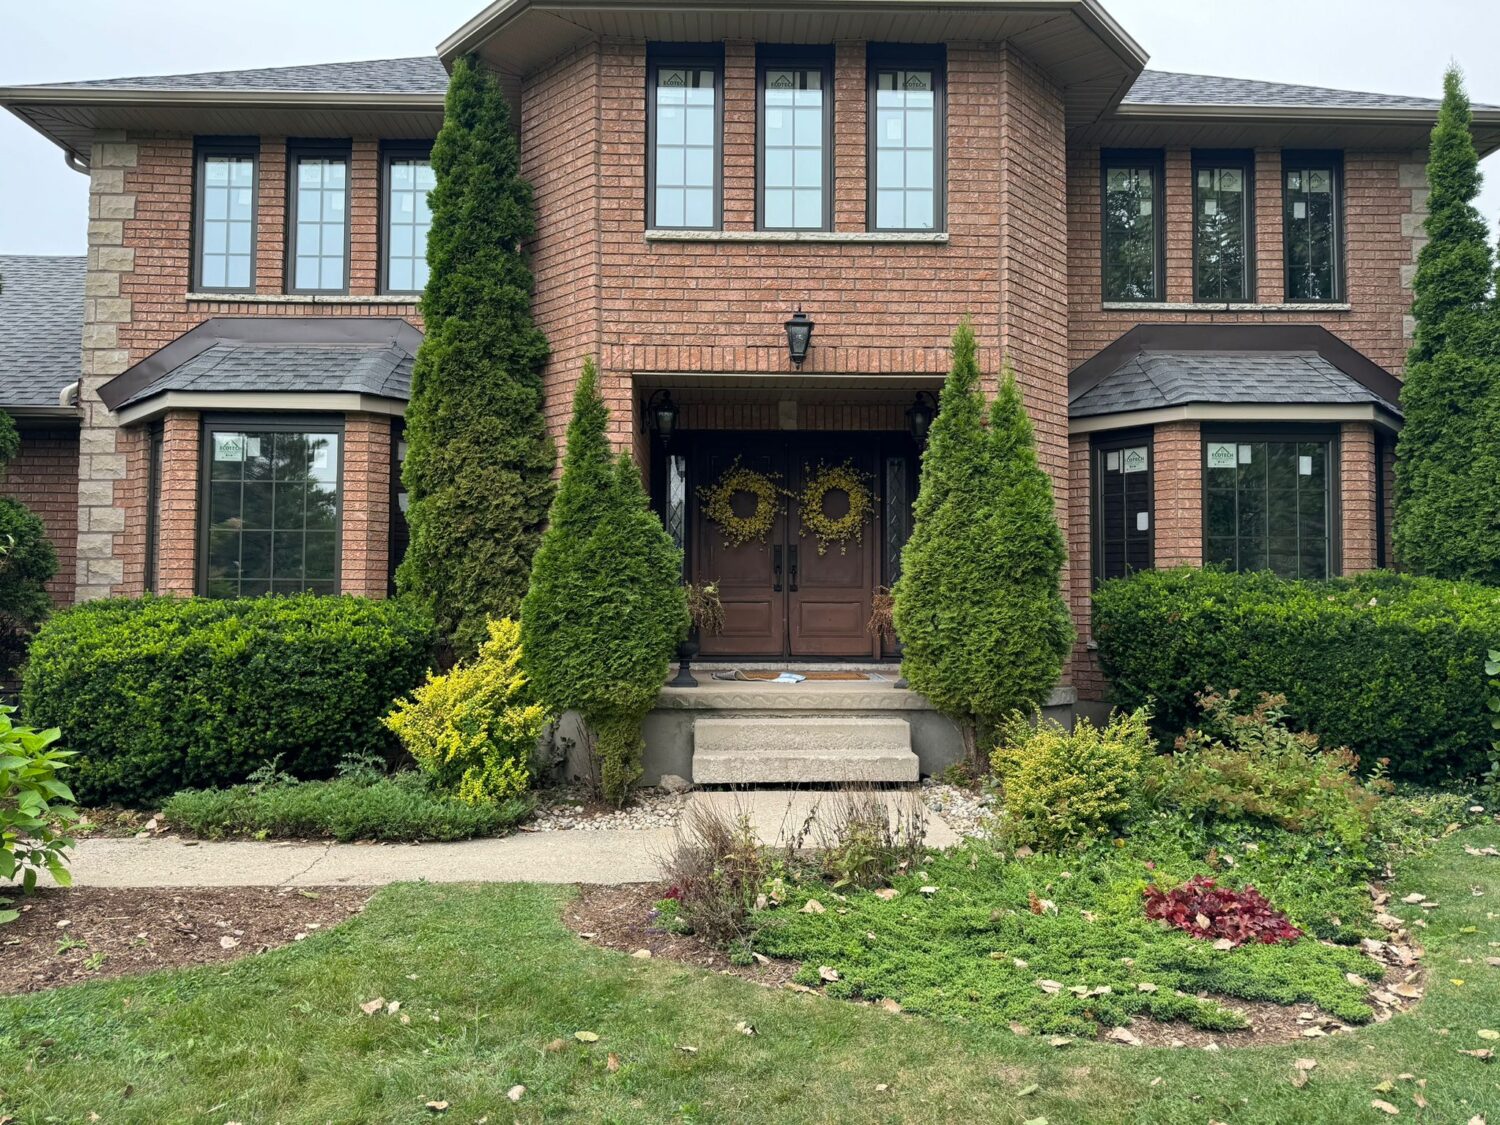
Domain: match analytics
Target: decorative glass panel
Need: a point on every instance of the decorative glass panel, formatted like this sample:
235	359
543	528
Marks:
1221	234
1130	238
906	156
1122	489
1267	505
226	226
320	236
794	149
1312	234
408	219
686	125
676	518
272	513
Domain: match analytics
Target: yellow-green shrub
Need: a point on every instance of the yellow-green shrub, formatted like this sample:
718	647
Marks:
1062	787
473	730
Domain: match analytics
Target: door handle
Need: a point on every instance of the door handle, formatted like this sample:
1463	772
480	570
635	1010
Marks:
776	568
791	558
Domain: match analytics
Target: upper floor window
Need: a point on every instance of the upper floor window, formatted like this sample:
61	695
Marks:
224	230
1222	226
1313	218
1268	502
683	144
1133	245
408	179
319	218
796	139
906	146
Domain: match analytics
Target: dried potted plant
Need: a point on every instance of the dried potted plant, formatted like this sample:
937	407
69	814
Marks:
707	614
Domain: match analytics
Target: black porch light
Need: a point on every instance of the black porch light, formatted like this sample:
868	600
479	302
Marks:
919	416
798	335
660	414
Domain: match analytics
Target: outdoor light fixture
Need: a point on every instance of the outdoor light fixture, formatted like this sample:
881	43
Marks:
798	335
919	416
660	413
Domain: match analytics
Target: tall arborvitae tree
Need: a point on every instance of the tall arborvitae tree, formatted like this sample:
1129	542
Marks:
983	625
479	462
27	561
1443	493
606	607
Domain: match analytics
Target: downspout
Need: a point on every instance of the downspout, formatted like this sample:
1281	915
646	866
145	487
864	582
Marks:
75	162
67	398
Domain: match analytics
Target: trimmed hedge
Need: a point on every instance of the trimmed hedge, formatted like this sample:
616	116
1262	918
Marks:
161	694
1388	665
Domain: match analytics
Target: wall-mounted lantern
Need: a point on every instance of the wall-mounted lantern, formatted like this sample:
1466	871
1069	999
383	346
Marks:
919	416
659	413
798	336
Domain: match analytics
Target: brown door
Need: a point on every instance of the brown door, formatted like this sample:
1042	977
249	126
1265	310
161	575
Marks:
782	599
829	594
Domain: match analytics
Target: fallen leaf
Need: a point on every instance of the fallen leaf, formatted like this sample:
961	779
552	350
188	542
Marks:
1414	898
1477	1119
1019	1029
744	1028
612	1063
586	1036
813	906
1419	1100
370	1007
686	1050
887	893
928	890
393	1007
1027	1091
516	1093
1036	1121
1410	991
1060	1041
1120	1035
553	1047
1299	1079
1018	963
1050	987
1223	943
1305	1064
1384	1107
1145	986
1486	1033
1384	1087
227	942
642	954
881	1087
890	1005
1484	1054
1355	979
438	1107
828	973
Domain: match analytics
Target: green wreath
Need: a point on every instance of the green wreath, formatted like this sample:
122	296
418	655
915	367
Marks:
718	504
817	484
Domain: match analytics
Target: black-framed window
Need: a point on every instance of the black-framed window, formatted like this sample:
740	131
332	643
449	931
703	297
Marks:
224	203
795	139
1313	218
270	522
400	529
1223	226
154	437
684	137
1123	505
1133	243
1269	501
318	223
406	217
906	157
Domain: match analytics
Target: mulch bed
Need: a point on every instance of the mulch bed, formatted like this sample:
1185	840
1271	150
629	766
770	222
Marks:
92	933
620	918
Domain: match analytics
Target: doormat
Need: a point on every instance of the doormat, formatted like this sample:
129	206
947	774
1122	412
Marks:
763	675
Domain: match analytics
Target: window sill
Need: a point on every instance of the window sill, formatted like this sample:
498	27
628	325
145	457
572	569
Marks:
832	236
304	299
1200	306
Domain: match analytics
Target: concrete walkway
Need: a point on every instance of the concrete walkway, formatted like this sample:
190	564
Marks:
606	856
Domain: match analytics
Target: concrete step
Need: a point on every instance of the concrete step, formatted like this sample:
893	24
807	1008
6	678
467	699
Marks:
785	750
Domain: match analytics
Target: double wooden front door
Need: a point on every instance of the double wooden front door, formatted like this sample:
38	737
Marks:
781	597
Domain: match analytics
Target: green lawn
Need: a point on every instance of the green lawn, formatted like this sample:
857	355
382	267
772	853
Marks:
281	1037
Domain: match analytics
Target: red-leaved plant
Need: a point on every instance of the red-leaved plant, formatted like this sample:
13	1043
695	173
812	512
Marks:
1209	911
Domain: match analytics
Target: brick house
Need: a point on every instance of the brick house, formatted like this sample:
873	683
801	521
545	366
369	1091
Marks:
1203	285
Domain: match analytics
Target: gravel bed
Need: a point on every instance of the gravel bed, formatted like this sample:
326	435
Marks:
967	812
573	812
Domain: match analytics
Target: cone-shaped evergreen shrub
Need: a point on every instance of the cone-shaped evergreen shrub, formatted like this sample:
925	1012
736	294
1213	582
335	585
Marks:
983	625
1446	523
479	463
606	606
27	561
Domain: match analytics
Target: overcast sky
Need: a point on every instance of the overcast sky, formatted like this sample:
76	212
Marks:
1379	45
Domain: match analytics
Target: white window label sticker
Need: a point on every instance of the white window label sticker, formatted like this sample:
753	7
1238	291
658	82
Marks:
1142	521
1112	461
1210	207
1145	207
1221	455
1299	210
252	446
229	447
1247	454
320	455
1133	460
1304	466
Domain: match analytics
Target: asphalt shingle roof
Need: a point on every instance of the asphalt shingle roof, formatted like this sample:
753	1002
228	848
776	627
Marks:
423	74
1163	87
1151	380
382	370
41	328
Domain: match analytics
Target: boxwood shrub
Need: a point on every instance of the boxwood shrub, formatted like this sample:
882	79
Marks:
160	694
1385	664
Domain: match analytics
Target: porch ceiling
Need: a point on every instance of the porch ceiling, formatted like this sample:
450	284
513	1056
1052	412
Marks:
770	388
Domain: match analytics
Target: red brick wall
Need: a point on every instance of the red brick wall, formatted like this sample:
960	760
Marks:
44	477
1357	496
1083	666
1376	249
1178	481
177	536
366	547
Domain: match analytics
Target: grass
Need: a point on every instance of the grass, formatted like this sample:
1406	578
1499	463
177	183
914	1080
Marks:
281	1037
399	807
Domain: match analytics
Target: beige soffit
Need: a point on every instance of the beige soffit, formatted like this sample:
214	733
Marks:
239	401
1247	412
1077	42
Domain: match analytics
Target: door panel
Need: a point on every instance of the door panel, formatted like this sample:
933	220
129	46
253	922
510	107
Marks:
754	595
830	598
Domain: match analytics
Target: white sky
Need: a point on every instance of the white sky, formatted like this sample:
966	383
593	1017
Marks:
1388	46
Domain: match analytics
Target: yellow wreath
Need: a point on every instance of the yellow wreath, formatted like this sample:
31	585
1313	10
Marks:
841	478
717	504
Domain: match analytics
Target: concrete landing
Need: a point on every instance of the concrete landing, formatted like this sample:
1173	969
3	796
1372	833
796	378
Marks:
789	750
778	815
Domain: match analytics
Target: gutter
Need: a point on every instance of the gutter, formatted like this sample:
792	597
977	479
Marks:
13	96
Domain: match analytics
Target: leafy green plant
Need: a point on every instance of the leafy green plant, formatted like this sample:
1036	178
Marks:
480	462
1245	764
27	562
866	836
978	607
36	806
473	731
1382	663
1492	670
400	807
160	694
1063	787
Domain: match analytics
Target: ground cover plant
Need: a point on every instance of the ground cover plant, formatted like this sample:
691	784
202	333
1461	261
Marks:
502	989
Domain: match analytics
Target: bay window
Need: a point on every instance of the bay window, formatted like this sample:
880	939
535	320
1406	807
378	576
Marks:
1269	502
